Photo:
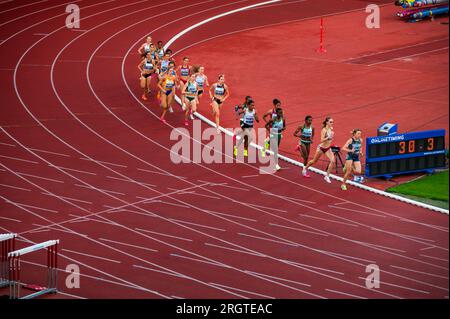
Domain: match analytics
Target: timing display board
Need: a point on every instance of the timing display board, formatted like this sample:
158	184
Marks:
405	153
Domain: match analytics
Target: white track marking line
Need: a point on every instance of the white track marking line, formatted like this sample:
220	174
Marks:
201	261
36	65
279	278
15	187
244	291
70	295
22	6
402	235
268	239
106	191
11	219
82	219
225	185
92	256
236	250
380	246
49	152
442	259
40	34
43	178
162	234
298	229
356	211
201	195
268	208
233	216
126	180
29	206
397	286
194	224
67	198
426	248
420	272
250	176
160	271
7	144
71	232
103	162
347	256
176	297
313	267
287	197
408	56
345	294
159	173
19	159
342	203
129	245
73	170
328	220
165	202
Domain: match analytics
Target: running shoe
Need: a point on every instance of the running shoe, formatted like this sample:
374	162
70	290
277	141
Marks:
327	179
170	109
277	167
305	173
186	123
246	153
344	187
191	116
183	107
235	151
263	153
144	97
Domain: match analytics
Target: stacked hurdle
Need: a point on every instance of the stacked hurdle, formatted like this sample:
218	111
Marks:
7	245
13	263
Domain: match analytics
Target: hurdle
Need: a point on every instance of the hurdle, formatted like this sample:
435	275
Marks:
7	245
15	283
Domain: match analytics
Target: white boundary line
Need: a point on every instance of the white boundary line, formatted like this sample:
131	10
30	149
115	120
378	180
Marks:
285	158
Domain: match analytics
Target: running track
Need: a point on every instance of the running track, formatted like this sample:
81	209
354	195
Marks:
84	161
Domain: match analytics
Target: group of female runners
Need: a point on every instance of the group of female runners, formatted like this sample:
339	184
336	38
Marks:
192	83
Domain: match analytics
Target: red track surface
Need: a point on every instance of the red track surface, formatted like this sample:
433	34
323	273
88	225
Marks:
141	227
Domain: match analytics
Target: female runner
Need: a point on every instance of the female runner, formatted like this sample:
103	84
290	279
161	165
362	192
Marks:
201	79
275	127
247	123
189	96
218	92
306	134
353	163
167	85
160	50
145	47
326	137
184	73
147	69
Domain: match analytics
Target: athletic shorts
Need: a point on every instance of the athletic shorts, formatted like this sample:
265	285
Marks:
324	149
190	98
353	157
200	92
146	76
246	126
219	102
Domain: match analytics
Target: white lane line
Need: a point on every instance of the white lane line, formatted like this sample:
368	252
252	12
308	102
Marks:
442	259
7	144
103	162
44	34
233	249
268	208
278	278
408	56
225	185
287	197
376	245
73	170
95	188
328	220
298	229
341	203
419	272
48	152
345	294
29	206
19	159
7	1
70	295
198	194
347	256
401	235
199	225
241	290
11	219
313	267
86	219
165	235
39	231
36	65
71	232
427	248
161	201
267	239
43	178
176	297
250	176
92	256
132	181
201	261
159	173
160	271
356	211
68	198
15	187
232	216
384	283
129	245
